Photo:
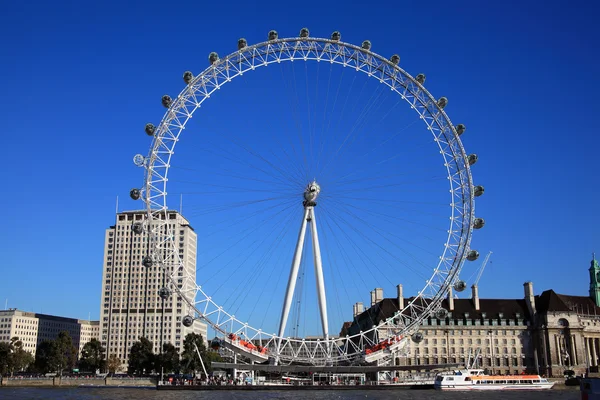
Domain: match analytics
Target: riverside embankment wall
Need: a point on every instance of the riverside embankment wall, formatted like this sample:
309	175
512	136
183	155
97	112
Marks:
57	381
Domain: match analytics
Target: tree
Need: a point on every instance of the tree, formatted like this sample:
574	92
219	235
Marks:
5	351
19	358
93	357
66	353
189	357
56	355
168	360
141	357
45	356
113	364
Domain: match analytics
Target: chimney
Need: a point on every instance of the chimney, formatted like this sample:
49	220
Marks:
529	298
378	295
359	308
475	295
373	298
450	299
400	297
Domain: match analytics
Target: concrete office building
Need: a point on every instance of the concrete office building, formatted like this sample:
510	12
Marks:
32	328
130	306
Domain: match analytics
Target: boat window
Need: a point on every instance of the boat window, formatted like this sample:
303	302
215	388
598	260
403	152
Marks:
450	378
467	379
477	383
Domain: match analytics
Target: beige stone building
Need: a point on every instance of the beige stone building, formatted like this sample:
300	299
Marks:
547	333
32	328
130	306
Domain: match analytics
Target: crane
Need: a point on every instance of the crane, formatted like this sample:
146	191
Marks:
482	268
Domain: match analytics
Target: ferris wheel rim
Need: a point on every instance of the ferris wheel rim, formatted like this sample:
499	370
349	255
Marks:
306	48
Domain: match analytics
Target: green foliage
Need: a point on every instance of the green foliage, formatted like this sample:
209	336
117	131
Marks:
190	362
45	356
168	360
113	364
20	358
56	355
13	357
92	357
141	357
66	353
5	351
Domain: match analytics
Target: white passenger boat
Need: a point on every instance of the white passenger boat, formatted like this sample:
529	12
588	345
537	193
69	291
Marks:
475	379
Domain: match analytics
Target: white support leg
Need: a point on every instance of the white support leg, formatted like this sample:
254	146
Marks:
289	294
319	273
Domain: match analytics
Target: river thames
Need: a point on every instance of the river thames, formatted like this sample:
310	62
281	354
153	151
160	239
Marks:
136	393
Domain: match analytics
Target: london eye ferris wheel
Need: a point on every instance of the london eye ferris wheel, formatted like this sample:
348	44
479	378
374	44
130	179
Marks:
305	137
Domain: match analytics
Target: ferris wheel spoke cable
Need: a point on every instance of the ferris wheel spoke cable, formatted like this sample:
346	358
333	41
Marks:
345	257
236	220
299	124
250	231
256	155
363	166
340	183
370	210
260	264
395	203
385	236
324	114
357	248
237	189
350	261
296	174
292	105
405	145
241	264
350	131
327	129
310	131
198	210
374	102
377	245
234	176
266	282
245	162
359	124
337	124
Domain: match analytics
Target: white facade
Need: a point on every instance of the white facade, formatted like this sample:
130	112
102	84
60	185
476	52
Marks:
130	307
32	328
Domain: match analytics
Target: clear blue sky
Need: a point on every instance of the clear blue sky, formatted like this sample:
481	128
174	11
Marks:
80	81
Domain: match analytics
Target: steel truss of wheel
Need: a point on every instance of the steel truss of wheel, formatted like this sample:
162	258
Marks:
164	250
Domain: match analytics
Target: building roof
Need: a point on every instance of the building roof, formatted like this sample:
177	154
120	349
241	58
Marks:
493	309
550	301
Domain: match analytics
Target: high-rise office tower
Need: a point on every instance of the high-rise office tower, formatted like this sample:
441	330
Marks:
130	306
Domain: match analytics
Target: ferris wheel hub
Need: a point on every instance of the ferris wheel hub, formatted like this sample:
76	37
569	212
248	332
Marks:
310	194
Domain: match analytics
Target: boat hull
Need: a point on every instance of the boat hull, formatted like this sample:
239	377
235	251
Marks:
545	386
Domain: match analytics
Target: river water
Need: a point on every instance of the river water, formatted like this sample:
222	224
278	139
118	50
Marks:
151	394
